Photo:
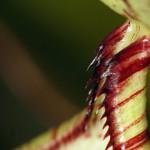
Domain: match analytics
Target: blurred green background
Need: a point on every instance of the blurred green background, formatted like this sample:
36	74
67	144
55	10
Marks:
60	37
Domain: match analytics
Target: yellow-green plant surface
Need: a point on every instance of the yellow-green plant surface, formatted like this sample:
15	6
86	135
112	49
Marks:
118	123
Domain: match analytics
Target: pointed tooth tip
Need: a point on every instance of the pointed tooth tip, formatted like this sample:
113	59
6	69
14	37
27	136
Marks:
91	64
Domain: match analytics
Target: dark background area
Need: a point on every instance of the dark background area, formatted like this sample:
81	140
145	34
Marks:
60	37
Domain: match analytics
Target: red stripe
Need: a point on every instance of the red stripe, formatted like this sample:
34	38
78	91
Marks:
133	49
110	109
124	70
129	126
120	70
134	142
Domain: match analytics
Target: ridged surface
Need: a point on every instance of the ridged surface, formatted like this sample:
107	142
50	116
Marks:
115	118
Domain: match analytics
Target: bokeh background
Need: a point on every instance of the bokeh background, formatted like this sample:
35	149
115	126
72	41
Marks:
45	48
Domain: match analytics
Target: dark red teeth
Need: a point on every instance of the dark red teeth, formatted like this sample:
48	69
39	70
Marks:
116	69
122	66
104	54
